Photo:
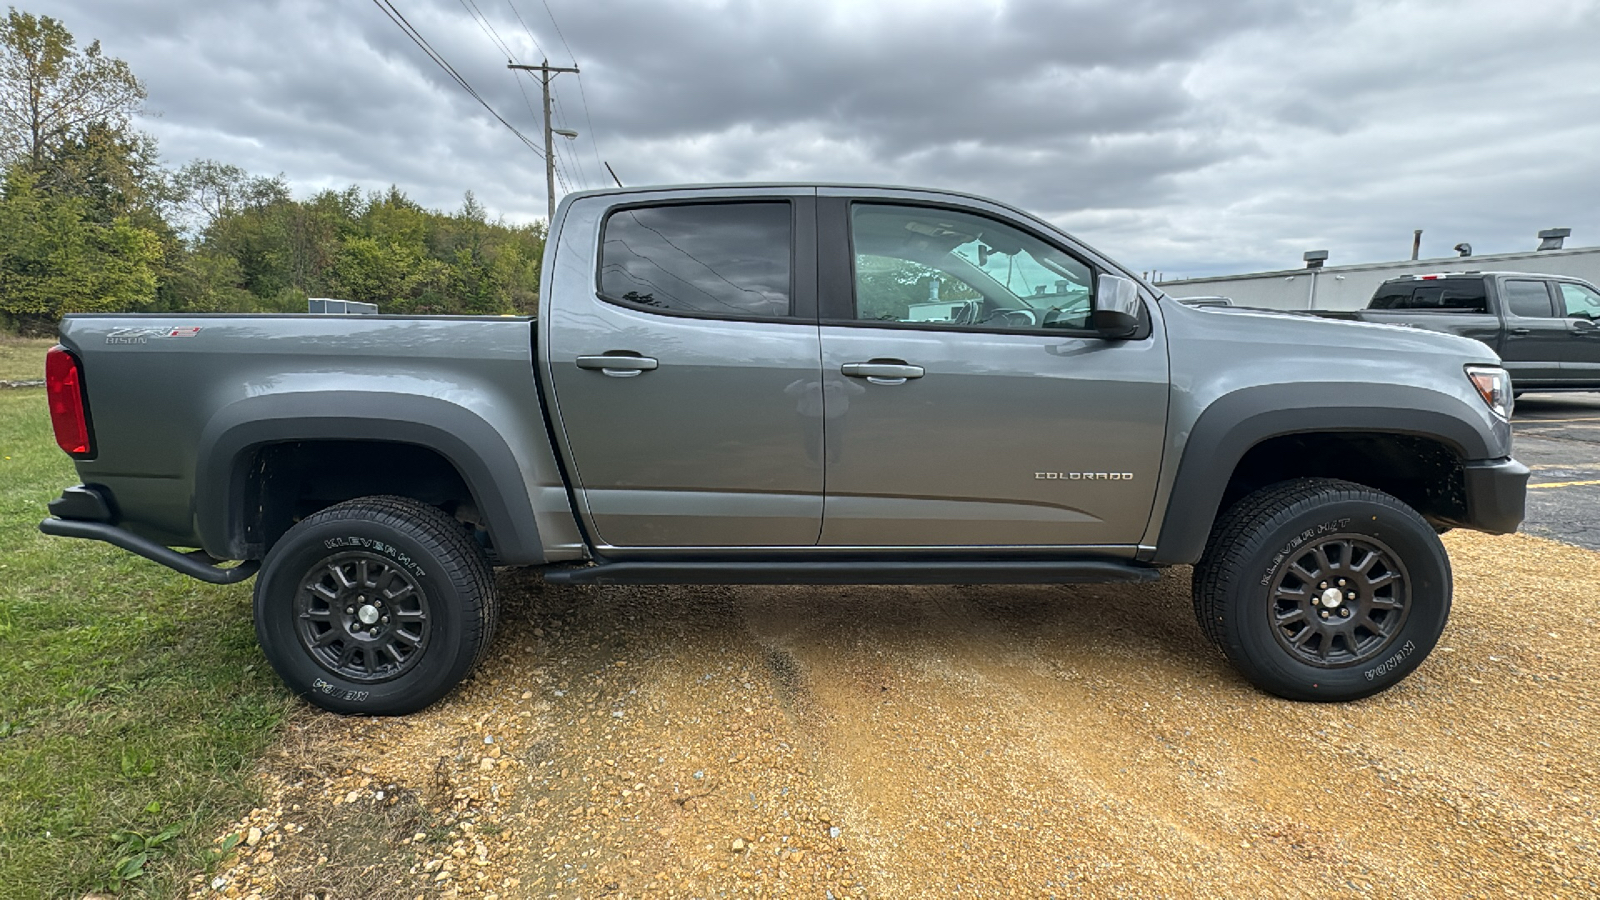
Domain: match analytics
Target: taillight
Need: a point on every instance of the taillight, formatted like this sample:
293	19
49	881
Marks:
63	382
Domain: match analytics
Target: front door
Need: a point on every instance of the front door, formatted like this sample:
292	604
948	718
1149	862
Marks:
687	387
968	403
1581	362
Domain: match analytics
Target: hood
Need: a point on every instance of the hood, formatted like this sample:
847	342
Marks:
1289	327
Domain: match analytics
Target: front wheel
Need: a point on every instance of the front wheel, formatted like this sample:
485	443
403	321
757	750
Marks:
378	606
1318	589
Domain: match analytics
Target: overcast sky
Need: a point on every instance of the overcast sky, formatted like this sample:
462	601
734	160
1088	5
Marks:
1182	136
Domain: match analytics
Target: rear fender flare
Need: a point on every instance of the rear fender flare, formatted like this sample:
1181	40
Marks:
467	441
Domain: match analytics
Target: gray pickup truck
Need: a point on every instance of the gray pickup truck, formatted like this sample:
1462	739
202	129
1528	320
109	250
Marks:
1546	328
769	384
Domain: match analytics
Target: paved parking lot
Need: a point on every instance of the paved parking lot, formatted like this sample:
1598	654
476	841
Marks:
1558	436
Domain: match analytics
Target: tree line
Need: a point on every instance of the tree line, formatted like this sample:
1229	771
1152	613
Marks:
92	221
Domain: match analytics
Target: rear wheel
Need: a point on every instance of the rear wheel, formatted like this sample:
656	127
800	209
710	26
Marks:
1318	589
378	605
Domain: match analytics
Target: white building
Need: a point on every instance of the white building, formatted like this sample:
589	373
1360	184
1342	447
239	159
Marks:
1350	287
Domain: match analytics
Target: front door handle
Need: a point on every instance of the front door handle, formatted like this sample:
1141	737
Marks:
1520	331
881	371
618	365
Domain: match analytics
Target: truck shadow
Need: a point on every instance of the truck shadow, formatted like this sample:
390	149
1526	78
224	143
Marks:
1117	631
1536	406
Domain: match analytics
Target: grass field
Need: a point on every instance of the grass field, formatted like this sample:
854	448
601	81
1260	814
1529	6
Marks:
133	700
22	359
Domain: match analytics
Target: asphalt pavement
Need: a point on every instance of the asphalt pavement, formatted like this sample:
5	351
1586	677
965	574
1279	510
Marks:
1558	437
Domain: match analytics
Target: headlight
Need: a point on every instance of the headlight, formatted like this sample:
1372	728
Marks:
1494	386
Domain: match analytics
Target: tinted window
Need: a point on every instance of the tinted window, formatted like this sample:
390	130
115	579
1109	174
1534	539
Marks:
1580	301
1439	295
1528	299
726	259
939	267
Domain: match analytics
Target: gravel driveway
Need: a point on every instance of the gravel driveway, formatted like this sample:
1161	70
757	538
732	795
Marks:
954	741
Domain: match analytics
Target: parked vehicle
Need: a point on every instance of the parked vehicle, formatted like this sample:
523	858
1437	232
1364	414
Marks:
803	385
1546	328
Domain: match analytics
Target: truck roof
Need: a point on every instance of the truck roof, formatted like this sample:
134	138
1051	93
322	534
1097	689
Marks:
1433	276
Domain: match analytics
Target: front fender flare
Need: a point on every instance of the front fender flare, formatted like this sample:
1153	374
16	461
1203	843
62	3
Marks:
1238	421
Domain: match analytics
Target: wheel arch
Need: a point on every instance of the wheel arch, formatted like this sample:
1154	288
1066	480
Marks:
235	442
1240	430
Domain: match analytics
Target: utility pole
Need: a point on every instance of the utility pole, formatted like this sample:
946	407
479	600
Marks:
547	72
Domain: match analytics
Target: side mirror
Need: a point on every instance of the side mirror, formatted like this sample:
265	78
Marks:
1116	307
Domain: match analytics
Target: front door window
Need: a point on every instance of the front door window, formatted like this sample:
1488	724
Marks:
1581	302
942	268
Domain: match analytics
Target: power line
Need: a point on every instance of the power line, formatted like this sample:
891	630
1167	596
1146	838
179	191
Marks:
486	26
558	31
563	172
594	144
577	158
400	21
560	113
525	27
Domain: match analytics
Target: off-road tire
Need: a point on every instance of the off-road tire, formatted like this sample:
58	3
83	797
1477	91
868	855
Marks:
1323	590
375	606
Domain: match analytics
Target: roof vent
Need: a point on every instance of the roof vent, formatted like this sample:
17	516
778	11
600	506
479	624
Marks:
1551	238
1315	258
1463	249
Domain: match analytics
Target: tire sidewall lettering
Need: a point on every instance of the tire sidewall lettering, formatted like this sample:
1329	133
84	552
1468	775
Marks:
1392	663
1331	527
383	548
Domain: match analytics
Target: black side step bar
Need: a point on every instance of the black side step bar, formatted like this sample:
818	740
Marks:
1026	571
195	565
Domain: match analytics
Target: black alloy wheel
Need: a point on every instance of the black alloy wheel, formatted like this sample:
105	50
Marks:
362	617
1340	601
1324	590
377	606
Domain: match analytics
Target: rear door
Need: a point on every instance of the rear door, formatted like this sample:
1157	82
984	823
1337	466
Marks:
1581	360
1535	338
967	401
682	352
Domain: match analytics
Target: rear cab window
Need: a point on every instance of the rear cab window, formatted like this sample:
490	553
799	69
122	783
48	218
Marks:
726	260
1441	295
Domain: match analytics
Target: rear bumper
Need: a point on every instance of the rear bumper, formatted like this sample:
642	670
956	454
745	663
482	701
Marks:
86	511
1497	494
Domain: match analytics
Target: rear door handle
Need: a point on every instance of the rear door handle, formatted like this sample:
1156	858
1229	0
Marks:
882	372
618	365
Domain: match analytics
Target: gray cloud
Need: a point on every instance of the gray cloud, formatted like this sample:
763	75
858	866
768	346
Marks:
1192	138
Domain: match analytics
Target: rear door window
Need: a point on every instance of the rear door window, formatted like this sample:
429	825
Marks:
729	260
1529	300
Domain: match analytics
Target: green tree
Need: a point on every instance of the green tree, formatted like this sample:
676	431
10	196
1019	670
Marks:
55	259
51	92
